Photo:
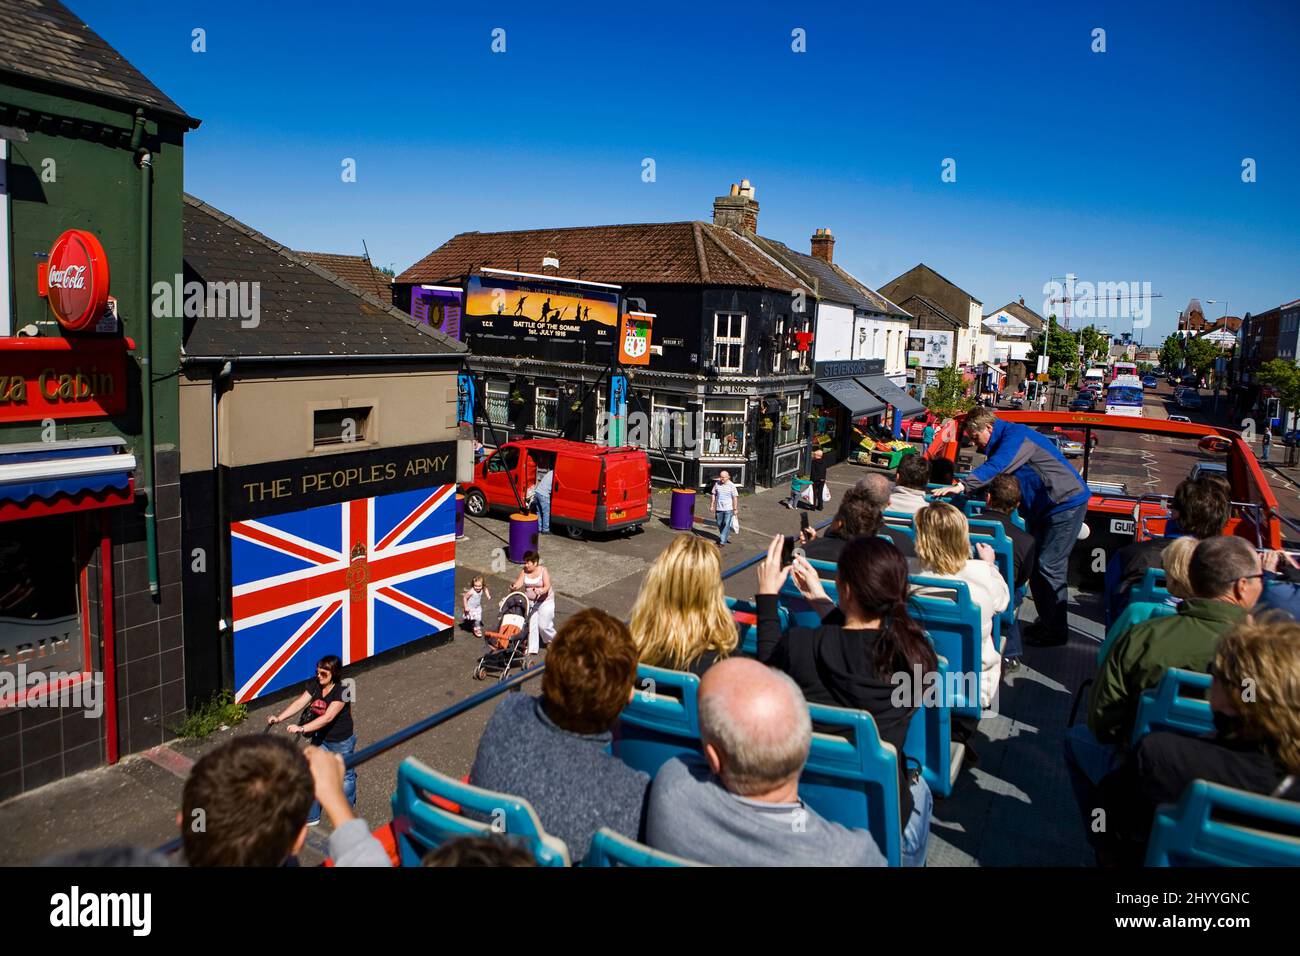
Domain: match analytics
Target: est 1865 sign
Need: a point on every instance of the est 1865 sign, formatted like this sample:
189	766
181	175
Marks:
75	280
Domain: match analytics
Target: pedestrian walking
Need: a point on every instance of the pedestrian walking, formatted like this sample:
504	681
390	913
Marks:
818	475
535	581
1268	442
330	726
726	505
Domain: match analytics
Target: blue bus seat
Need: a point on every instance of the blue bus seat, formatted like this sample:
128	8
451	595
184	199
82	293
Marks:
613	849
1214	825
420	826
854	783
660	721
929	741
1166	707
1151	588
745	614
953	625
1132	615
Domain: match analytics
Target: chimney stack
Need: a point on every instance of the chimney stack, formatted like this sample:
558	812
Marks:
1022	300
823	245
738	210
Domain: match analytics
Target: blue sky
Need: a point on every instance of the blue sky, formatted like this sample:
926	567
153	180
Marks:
1117	166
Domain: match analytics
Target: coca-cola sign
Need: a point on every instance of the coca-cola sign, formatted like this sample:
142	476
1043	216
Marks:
76	279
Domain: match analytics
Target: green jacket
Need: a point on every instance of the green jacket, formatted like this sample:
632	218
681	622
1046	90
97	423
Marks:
1140	657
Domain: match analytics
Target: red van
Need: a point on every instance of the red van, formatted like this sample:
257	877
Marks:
595	488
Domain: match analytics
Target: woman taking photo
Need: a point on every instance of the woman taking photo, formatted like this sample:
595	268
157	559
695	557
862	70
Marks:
856	664
681	620
943	550
535	581
330	725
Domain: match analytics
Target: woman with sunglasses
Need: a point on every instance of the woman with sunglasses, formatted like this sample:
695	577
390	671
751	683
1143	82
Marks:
330	725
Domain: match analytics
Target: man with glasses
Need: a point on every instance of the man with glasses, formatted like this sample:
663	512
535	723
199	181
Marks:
1226	576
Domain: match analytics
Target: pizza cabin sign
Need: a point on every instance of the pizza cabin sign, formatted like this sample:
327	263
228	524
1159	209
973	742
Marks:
75	280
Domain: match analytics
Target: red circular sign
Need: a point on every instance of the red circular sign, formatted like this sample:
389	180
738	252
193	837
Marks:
77	279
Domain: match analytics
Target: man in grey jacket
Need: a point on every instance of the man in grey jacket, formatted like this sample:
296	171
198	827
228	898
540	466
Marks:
739	805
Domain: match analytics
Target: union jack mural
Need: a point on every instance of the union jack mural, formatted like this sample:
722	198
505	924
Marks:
352	579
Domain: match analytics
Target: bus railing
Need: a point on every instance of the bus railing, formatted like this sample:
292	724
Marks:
440	717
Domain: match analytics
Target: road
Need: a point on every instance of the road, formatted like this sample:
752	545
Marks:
1147	463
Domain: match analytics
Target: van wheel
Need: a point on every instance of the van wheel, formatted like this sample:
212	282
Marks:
476	504
574	532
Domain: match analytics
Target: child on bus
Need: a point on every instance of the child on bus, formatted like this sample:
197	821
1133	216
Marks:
475	595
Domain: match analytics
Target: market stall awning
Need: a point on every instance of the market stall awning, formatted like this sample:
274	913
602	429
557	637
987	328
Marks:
43	478
852	396
890	393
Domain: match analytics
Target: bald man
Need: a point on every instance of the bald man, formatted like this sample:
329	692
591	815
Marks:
739	805
878	487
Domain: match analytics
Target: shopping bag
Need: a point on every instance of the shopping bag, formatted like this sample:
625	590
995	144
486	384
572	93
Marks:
735	523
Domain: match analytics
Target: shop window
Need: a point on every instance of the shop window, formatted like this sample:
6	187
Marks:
778	346
729	341
724	427
339	426
40	625
546	405
497	401
790	426
668	425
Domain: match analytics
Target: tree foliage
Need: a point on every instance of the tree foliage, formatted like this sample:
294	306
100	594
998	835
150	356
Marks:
1171	353
948	397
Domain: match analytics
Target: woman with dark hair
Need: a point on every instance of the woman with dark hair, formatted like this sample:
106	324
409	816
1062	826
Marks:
328	706
877	660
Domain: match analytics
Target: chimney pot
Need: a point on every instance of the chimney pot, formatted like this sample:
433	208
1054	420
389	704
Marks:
737	211
823	245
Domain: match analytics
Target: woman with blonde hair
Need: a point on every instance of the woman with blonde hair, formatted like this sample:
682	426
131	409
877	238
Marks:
943	550
1176	558
1255	699
681	620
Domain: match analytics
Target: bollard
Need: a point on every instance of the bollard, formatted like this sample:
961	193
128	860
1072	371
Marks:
523	536
682	516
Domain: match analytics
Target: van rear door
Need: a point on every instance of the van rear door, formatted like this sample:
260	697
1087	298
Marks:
573	496
627	487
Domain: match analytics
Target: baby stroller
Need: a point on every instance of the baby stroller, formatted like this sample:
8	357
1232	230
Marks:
506	646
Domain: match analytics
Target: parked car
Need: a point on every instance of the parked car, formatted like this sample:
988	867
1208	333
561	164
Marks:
595	488
1189	399
1150	381
1076	434
1202	468
1180	418
916	426
1083	403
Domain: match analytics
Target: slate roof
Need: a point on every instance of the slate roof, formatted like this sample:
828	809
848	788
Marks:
304	309
354	270
673	253
45	40
926	306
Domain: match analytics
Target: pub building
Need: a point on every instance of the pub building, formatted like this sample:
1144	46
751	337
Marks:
91	665
318	468
728	381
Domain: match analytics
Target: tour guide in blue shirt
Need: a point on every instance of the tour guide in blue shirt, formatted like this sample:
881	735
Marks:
1053	502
